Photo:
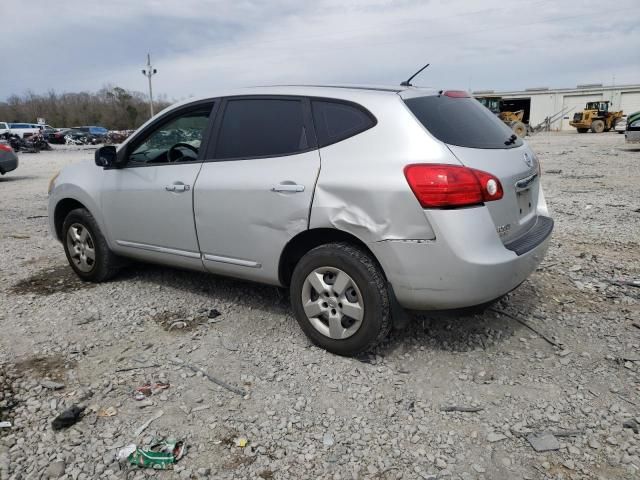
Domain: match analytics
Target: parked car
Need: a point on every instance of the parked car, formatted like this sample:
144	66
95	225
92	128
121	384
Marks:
96	132
24	129
8	158
621	125
4	128
632	133
425	200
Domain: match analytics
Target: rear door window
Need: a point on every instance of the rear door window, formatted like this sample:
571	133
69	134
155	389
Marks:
336	121
261	127
462	121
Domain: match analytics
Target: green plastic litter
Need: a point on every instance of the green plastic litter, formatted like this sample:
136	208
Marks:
162	455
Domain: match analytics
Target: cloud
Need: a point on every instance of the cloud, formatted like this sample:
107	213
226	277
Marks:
201	45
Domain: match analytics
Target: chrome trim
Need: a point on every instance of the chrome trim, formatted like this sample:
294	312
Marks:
525	182
232	261
156	248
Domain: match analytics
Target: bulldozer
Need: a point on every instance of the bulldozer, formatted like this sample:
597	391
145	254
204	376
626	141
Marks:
514	120
595	117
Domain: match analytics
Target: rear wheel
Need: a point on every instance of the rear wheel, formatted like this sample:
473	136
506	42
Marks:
597	126
340	299
86	248
583	130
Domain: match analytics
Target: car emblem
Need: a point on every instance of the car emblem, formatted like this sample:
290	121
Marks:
528	160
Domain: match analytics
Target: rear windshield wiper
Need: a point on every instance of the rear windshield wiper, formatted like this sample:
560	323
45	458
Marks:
512	139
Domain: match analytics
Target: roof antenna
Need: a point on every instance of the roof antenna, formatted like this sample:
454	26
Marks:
407	83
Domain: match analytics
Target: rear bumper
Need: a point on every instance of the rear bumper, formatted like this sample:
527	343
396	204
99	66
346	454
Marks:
8	162
466	265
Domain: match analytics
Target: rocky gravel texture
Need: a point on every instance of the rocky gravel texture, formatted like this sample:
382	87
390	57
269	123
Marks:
558	400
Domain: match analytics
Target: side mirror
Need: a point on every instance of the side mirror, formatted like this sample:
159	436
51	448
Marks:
106	156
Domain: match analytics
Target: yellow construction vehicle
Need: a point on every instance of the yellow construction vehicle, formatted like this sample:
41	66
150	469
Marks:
514	120
595	117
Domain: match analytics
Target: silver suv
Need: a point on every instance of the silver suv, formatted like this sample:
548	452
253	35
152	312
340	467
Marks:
360	200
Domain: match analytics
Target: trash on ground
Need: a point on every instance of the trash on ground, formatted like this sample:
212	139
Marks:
68	417
107	412
5	424
459	408
161	455
124	452
144	426
241	442
211	378
149	389
543	441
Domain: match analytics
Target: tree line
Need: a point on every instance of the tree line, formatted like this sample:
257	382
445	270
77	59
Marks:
112	107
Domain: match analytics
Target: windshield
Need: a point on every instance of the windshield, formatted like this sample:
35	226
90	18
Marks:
462	121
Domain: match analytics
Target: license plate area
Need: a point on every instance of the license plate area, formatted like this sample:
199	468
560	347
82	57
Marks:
525	203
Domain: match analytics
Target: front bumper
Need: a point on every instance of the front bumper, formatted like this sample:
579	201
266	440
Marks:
632	136
466	265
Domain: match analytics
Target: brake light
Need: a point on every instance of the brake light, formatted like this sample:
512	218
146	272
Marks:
456	94
5	148
442	186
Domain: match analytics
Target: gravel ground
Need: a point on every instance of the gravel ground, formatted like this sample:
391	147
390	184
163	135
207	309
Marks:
309	414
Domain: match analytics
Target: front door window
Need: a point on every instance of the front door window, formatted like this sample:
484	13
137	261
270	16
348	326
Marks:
177	140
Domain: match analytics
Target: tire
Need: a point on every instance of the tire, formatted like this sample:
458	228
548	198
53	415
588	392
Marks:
583	130
597	126
366	287
80	225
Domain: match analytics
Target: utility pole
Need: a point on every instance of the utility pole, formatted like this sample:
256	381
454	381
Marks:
149	72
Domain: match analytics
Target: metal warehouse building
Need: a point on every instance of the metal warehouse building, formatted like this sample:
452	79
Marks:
540	103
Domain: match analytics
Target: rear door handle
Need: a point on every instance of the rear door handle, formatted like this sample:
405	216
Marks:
288	187
177	187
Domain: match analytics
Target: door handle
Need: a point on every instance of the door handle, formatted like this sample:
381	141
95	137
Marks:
177	187
288	187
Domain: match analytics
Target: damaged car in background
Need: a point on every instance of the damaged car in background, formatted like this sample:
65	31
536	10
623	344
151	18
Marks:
632	132
361	201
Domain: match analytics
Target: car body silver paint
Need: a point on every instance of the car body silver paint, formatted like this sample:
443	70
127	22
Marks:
258	221
369	196
82	182
133	193
427	255
510	168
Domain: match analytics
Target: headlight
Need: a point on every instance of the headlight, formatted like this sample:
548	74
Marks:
52	183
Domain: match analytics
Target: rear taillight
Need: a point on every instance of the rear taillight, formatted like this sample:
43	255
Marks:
442	186
5	148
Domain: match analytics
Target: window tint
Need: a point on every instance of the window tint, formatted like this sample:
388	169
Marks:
176	140
261	127
461	121
335	121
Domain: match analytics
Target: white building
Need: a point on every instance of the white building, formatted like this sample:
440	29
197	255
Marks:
540	103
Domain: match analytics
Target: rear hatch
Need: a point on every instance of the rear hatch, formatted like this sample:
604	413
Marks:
479	140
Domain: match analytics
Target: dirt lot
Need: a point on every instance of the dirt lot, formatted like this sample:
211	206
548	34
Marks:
309	414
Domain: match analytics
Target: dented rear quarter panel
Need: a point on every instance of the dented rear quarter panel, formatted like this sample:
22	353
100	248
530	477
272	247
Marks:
362	189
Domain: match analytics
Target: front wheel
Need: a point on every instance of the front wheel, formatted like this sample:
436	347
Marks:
86	248
340	299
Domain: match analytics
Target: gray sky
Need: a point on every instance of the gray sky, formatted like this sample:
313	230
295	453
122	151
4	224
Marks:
200	45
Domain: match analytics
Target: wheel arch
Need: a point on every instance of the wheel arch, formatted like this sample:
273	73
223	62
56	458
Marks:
63	207
307	240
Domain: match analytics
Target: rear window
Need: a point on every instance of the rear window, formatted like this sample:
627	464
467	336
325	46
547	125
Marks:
336	121
261	128
461	121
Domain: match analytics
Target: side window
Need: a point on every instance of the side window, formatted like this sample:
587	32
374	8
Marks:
336	121
176	140
261	127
